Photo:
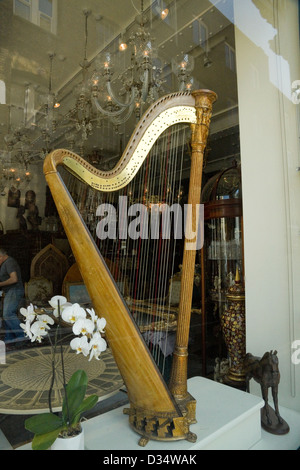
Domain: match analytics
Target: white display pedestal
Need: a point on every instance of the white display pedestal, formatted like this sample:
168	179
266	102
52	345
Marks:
4	444
226	419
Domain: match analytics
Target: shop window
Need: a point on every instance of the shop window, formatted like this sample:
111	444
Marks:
43	13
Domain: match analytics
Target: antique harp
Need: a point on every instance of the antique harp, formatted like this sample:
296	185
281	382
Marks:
157	411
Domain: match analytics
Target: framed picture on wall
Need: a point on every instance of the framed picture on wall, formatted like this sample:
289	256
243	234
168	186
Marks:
76	292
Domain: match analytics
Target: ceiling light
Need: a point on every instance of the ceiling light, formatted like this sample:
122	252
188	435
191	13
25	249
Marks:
207	61
122	44
164	13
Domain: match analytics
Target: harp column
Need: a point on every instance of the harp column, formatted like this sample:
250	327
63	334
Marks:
204	100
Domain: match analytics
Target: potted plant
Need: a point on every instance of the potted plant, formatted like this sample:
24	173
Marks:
47	427
52	430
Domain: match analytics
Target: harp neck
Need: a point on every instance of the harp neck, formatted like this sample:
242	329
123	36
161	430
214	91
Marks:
170	110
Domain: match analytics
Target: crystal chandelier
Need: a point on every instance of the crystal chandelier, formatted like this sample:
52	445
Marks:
118	87
141	81
15	161
47	119
15	168
182	68
84	114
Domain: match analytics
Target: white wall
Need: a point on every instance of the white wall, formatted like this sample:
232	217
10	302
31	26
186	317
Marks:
267	63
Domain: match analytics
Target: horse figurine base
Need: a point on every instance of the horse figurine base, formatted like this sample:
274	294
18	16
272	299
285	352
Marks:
265	371
276	427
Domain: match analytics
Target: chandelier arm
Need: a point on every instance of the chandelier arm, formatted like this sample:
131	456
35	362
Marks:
145	85
107	113
113	97
182	86
117	121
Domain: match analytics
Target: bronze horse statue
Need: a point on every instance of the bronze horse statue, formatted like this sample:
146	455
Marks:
265	371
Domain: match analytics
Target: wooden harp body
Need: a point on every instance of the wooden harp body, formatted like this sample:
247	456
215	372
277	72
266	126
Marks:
156	411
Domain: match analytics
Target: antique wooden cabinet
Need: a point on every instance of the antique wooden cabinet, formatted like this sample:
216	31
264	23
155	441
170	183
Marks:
221	256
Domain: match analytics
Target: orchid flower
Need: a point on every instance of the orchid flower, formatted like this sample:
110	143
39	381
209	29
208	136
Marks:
27	328
92	314
99	322
28	313
72	313
46	319
38	330
98	345
58	300
81	345
87	328
83	326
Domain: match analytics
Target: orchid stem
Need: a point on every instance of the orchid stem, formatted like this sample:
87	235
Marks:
63	366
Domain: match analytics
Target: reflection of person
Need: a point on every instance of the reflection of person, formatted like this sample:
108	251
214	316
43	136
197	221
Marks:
12	285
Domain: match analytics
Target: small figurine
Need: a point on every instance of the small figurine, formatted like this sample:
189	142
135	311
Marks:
22	220
33	217
265	371
221	369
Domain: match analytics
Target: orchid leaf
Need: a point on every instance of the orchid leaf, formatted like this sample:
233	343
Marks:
43	423
86	405
78	379
44	441
75	393
75	398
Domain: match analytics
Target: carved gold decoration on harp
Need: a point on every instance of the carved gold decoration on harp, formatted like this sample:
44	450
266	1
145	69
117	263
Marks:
157	411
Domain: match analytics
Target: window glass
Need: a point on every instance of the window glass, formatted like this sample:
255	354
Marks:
2	92
247	52
22	9
45	6
45	22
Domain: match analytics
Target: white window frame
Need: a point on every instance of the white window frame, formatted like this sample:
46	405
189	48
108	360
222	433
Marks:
230	53
2	92
203	31
36	14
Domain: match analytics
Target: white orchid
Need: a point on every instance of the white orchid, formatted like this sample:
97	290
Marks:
87	326
98	345
81	345
58	302
28	313
38	330
100	323
41	326
46	319
27	329
92	314
83	326
72	313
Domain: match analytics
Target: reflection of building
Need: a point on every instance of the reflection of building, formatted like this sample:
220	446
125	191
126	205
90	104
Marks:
248	53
